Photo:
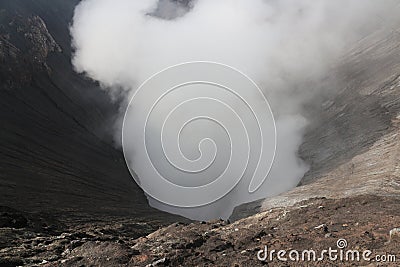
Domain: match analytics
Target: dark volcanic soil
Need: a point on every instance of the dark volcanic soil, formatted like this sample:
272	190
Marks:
37	238
56	152
314	224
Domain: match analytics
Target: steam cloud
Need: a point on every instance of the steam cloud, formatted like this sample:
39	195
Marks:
281	44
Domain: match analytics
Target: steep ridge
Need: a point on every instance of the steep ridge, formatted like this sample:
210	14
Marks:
55	153
351	144
354	147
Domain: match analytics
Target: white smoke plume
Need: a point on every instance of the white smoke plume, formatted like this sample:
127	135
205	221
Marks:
280	44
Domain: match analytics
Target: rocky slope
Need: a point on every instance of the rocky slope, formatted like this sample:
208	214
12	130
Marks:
352	145
58	167
55	154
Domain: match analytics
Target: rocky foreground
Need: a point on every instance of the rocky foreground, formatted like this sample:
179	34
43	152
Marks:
365	222
49	239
